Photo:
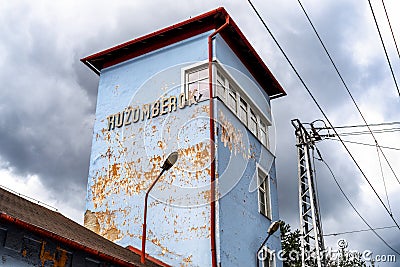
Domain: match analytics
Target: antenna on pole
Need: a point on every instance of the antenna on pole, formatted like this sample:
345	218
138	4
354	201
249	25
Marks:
312	242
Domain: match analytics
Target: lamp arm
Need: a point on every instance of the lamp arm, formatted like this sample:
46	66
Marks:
143	255
262	245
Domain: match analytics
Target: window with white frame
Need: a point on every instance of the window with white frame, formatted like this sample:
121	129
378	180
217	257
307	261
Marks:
264	198
267	257
253	122
221	86
263	133
237	101
196	83
232	102
243	111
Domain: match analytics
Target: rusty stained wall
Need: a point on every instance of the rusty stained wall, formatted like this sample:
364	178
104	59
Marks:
118	188
125	161
241	228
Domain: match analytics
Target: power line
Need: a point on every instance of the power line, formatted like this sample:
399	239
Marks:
365	144
354	208
391	130
384	48
391	30
347	88
362	125
359	231
383	178
321	110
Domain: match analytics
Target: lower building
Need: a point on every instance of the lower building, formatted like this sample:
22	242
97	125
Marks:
32	235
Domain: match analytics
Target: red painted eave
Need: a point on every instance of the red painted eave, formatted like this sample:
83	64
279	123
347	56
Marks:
184	30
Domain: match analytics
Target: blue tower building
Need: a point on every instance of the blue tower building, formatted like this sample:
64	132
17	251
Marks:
198	88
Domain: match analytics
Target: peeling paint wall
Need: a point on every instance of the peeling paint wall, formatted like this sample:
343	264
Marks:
125	160
242	228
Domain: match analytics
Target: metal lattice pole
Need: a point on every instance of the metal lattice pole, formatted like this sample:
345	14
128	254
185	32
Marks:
312	243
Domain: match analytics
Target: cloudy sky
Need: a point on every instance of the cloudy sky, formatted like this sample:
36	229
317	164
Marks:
48	97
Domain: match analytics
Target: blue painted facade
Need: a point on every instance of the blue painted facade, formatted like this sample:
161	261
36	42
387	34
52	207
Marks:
127	155
242	228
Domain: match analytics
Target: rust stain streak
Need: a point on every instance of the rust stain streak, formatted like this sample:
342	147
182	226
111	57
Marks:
60	261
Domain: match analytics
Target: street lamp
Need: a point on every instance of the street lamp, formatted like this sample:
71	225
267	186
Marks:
271	230
168	163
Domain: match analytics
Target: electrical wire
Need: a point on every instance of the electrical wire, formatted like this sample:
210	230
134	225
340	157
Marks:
359	231
354	208
391	130
361	125
321	110
359	143
345	85
391	30
384	48
383	178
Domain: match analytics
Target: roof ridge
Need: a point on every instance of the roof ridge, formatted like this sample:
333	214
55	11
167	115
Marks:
30	199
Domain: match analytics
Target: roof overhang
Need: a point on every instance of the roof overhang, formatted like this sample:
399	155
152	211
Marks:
184	30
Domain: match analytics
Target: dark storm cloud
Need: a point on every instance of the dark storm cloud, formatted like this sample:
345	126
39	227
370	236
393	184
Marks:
45	122
48	96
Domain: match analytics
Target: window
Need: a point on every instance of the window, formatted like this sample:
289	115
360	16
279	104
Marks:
253	122
242	106
221	86
267	257
232	99
264	199
197	83
263	133
243	111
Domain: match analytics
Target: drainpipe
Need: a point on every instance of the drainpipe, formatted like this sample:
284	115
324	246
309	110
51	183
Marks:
212	183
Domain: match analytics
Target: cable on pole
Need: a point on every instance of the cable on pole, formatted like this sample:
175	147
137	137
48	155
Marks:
391	30
384	47
359	143
321	110
390	130
363	125
359	231
344	83
354	208
383	178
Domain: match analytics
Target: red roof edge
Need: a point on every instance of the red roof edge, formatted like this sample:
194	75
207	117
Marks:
159	32
184	30
87	60
148	257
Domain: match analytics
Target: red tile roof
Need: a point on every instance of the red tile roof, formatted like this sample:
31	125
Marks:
52	224
186	29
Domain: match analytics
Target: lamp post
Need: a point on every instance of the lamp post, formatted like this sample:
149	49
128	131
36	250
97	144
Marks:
168	163
271	230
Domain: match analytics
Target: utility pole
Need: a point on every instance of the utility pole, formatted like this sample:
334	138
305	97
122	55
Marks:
312	241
